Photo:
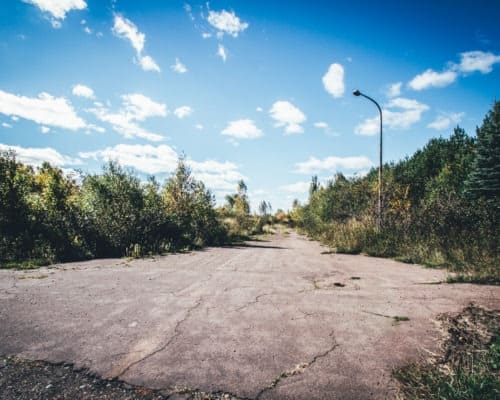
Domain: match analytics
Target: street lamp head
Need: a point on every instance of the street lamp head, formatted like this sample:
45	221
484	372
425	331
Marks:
356	93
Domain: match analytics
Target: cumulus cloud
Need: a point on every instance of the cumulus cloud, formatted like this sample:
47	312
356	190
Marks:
144	158
242	129
140	107
44	109
470	61
222	52
394	90
36	156
430	78
83	91
333	80
399	113
179	67
287	115
226	22
126	29
148	64
6	125
332	164
183	111
163	159
298	187
445	120
481	61
135	108
58	8
321	125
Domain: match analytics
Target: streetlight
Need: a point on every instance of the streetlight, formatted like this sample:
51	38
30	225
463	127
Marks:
379	216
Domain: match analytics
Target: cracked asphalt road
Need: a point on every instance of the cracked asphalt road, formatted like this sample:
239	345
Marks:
264	321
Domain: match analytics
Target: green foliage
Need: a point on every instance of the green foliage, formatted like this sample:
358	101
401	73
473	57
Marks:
429	214
484	181
46	217
191	207
469	368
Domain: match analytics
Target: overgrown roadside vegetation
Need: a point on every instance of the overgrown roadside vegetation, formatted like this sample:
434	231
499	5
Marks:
469	366
441	207
47	217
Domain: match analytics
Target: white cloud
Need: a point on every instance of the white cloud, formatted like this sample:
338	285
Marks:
189	11
222	52
135	108
44	129
399	113
242	129
58	8
163	159
298	187
183	111
179	67
287	115
332	164
126	29
44	109
87	30
14	118
226	22
430	78
148	64
83	91
369	127
259	109
200	127
6	125
36	156
394	89
445	120
140	107
472	61
144	158
333	80
321	125
206	35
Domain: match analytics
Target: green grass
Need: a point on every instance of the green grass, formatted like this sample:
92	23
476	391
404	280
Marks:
469	368
27	264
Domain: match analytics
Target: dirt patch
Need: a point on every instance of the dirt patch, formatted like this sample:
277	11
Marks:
469	364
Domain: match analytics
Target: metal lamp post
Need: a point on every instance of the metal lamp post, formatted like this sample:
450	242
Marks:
379	215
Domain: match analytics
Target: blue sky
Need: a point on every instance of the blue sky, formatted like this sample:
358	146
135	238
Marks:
253	90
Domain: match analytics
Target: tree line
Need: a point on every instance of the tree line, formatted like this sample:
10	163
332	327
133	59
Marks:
441	206
47	217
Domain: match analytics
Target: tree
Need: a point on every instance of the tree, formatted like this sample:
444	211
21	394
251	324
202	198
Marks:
16	216
112	203
314	186
484	180
191	207
263	208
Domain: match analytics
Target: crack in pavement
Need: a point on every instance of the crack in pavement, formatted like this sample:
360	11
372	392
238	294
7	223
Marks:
168	343
298	369
255	301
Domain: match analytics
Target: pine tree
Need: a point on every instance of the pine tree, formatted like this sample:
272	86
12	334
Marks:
484	180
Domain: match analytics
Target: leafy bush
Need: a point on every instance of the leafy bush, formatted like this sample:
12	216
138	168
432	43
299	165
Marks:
441	206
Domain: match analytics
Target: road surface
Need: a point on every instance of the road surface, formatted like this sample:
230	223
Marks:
274	319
